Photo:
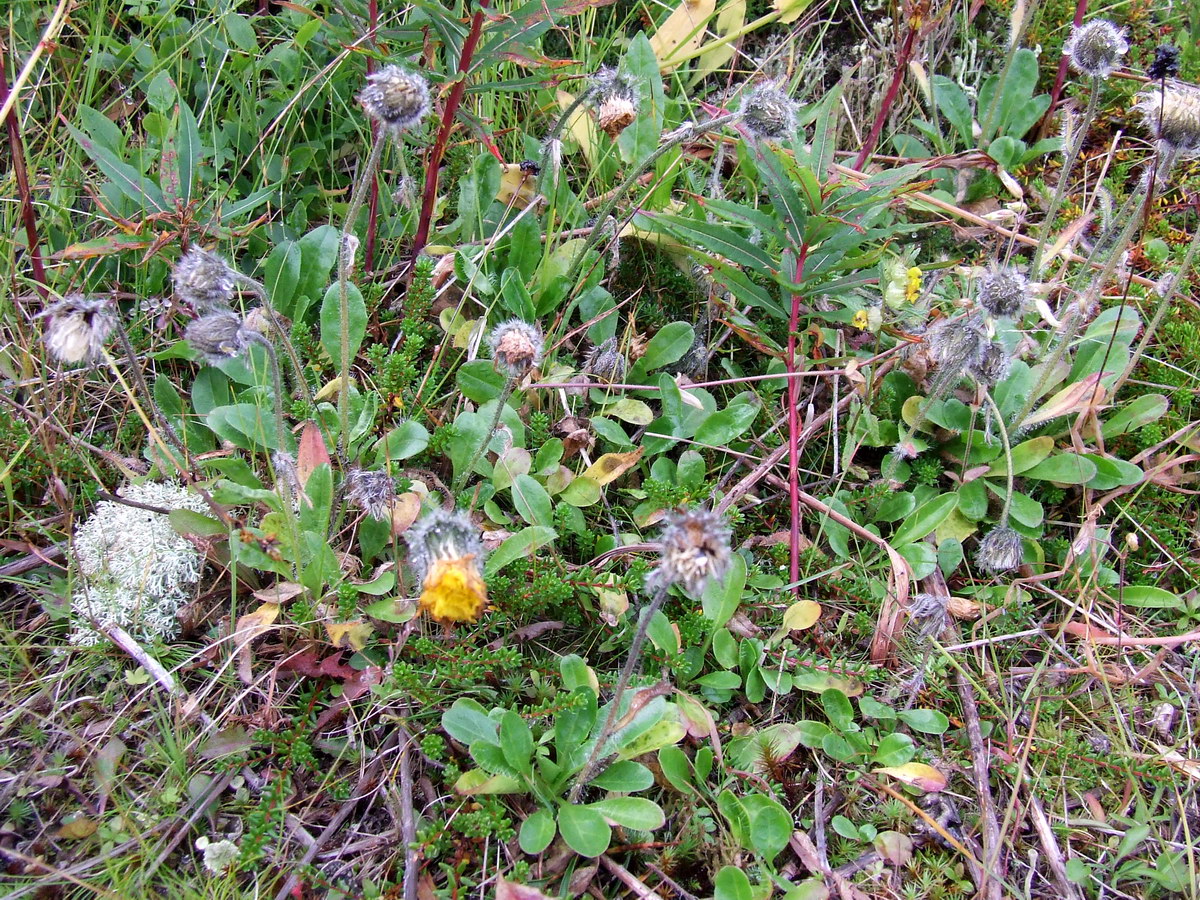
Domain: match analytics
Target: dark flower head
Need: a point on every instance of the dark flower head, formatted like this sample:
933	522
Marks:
372	492
1166	63
695	550
220	336
768	113
1171	112
1003	292
1096	48
396	97
77	327
204	280
1000	550
994	365
957	344
516	347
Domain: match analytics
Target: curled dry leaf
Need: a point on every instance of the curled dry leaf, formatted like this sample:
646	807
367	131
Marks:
279	593
249	627
962	608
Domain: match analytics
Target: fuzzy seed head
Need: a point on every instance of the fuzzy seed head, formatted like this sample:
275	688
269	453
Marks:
768	113
606	362
77	327
929	613
396	97
615	101
447	556
516	347
1003	292
1000	550
372	492
695	550
204	280
956	344
219	336
1171	112
994	365
1096	48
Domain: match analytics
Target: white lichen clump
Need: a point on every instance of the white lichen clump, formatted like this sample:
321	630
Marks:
133	569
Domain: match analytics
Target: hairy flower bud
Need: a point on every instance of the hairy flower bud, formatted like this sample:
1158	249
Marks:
994	365
396	97
372	492
1003	292
956	344
768	113
77	327
516	347
1096	48
695	550
1000	550
1171	112
204	280
219	336
606	362
447	557
615	101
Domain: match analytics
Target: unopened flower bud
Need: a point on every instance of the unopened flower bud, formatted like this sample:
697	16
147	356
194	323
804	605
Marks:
372	492
956	344
396	97
1003	292
204	280
768	113
1165	64
606	362
1096	48
1000	550
993	365
219	336
615	101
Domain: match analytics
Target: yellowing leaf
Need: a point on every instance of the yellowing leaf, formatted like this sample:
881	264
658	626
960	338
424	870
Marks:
581	128
516	187
681	33
919	775
78	829
614	601
330	389
250	626
731	17
405	509
790	10
611	466
635	412
800	616
351	635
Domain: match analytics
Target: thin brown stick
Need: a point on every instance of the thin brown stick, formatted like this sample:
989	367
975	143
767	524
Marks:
991	887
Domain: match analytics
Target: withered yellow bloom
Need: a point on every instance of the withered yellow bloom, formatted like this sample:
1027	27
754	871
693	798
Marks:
447	556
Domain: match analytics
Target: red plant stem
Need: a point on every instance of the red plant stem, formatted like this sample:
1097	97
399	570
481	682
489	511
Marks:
373	196
1061	77
443	135
885	108
793	414
17	151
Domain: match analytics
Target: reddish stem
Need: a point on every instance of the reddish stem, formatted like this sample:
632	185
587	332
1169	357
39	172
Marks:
885	108
443	135
793	414
373	196
29	218
1061	77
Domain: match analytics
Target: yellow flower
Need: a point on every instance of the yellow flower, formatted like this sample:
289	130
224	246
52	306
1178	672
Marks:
913	286
861	320
453	590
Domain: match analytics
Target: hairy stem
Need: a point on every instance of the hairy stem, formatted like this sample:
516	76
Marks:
501	401
885	108
1008	457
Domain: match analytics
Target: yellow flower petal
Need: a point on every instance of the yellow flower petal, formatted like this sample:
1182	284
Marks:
454	591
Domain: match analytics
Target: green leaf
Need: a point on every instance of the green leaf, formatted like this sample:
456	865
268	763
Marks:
407	439
1140	411
1112	472
1025	456
186	521
952	103
581	492
515	296
926	721
625	776
927	517
895	750
160	92
537	832
1148	597
189	150
468	722
331	323
244	425
477	192
318	253
282	275
716	238
516	741
921	556
732	883
318	491
1064	468
676	769
631	812
531	501
721	596
479	381
726	424
770	825
584	830
837	707
128	180
519	546
641	138
241	32
667	346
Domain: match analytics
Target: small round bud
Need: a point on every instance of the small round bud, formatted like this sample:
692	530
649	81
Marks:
396	97
768	113
1003	292
994	365
76	328
204	280
1165	64
516	347
929	613
1131	541
695	550
1000	550
219	336
1096	48
606	362
1171	112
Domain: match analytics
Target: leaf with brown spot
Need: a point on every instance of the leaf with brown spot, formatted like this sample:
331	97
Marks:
509	890
348	634
611	466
